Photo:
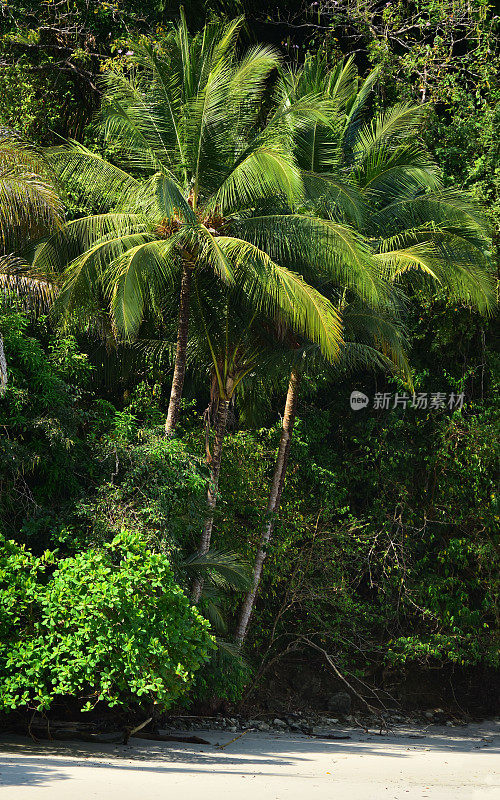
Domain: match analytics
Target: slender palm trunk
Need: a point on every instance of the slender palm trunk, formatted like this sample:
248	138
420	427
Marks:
180	353
213	485
3	368
273	502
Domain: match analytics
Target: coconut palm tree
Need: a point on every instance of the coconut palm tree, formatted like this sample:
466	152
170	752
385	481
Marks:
230	341
231	344
379	177
200	144
377	174
29	205
372	338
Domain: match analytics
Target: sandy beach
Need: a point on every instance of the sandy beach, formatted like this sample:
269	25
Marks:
409	763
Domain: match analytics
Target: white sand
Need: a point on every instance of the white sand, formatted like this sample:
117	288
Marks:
446	763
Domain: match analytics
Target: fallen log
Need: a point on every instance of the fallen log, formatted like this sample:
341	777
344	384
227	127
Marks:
163	737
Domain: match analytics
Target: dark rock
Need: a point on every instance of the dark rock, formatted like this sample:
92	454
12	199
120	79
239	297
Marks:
340	703
324	732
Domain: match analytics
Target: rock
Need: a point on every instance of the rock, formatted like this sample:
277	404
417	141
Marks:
263	726
429	714
327	733
278	723
232	728
331	721
340	703
296	726
253	723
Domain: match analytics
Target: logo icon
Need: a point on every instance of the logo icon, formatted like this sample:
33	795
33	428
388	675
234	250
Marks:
358	400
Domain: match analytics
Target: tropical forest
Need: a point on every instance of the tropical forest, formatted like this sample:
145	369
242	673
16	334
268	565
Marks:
249	364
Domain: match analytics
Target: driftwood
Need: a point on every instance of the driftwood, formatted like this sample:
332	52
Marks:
132	732
86	732
163	737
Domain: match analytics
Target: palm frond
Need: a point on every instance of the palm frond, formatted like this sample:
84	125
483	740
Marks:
266	171
82	279
90	176
334	196
134	122
399	123
449	265
55	252
327	249
223	569
375	339
23	285
355	115
29	203
386	174
277	291
447	210
132	278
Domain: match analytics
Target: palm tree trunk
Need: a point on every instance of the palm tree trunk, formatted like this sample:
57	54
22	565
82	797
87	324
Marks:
273	502
3	368
180	353
213	486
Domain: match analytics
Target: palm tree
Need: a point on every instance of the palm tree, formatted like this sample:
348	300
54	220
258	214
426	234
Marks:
198	151
374	339
29	204
229	342
379	177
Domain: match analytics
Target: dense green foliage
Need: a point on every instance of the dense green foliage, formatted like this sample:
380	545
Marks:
60	608
108	625
387	543
386	549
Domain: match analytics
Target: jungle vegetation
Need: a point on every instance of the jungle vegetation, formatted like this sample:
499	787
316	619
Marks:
216	223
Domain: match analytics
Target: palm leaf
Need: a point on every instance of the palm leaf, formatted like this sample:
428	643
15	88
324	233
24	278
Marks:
275	290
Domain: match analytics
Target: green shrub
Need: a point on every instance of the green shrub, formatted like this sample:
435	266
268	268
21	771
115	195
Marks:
107	625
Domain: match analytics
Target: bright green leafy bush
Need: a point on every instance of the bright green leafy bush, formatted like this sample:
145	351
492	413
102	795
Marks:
107	625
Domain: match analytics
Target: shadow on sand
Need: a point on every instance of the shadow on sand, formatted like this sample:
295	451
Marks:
26	763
